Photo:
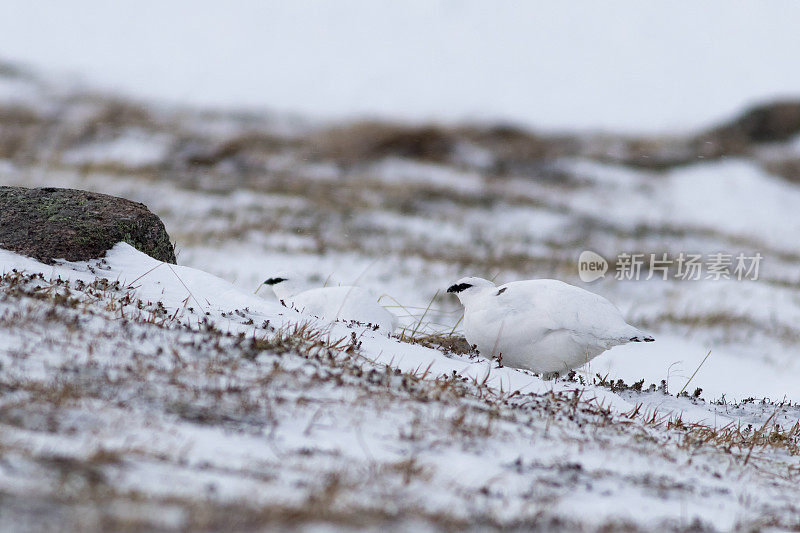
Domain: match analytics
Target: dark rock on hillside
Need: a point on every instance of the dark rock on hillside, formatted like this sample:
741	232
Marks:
766	123
773	122
50	223
777	121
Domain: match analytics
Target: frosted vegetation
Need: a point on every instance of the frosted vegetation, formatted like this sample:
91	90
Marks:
172	397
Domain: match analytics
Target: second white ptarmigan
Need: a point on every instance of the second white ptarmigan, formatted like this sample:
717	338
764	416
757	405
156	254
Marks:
344	303
543	325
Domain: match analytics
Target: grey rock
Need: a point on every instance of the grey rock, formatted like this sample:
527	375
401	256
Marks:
50	223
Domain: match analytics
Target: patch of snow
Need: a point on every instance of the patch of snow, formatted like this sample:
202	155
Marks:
132	149
398	171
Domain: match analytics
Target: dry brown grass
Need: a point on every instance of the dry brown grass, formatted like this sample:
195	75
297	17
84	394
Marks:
443	342
741	441
364	142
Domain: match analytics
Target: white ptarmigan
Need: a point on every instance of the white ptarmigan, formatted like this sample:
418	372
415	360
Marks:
344	303
543	325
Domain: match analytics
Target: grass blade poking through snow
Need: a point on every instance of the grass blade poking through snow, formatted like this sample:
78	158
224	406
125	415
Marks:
695	373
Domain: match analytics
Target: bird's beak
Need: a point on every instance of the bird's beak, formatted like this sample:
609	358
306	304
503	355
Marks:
452	288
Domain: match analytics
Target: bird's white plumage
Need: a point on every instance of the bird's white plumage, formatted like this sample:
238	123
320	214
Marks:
344	303
542	325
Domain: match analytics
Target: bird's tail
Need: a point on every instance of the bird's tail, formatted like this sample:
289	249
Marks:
641	336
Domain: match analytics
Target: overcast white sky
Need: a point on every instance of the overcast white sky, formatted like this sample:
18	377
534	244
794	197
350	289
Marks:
632	65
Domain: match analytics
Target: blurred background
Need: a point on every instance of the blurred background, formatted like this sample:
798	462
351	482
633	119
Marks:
402	146
618	66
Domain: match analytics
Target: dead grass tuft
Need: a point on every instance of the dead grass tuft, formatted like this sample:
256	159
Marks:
445	343
371	141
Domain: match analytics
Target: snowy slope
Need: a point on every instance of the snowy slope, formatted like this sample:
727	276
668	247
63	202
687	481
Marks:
168	418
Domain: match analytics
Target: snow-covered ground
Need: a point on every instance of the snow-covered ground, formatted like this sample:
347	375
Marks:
125	413
138	400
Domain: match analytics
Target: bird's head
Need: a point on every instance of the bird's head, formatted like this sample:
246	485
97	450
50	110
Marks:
283	286
468	288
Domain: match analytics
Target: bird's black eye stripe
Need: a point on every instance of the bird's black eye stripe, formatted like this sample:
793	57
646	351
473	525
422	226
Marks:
458	287
273	281
501	291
